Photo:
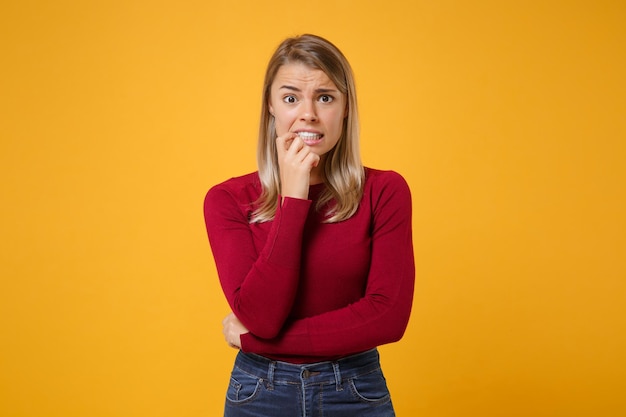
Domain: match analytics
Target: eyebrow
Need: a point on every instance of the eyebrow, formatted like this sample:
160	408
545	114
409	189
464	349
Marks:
319	90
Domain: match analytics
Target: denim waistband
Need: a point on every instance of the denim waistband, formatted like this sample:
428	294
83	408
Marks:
277	372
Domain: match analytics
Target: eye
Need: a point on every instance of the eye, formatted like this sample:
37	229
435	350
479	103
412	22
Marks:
289	99
326	98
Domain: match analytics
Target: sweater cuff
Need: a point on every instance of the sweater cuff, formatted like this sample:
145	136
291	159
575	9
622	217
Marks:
246	338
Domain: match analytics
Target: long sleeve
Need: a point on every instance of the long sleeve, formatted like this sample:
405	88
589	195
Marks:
381	315
259	279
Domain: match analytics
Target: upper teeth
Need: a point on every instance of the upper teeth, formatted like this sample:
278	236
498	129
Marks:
308	135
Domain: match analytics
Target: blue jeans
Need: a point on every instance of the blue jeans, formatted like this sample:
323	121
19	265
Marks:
351	386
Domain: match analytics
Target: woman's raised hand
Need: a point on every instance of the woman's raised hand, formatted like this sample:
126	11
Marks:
295	160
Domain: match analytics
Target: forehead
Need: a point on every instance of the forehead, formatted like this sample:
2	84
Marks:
300	75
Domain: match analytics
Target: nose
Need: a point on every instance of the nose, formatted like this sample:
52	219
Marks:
308	111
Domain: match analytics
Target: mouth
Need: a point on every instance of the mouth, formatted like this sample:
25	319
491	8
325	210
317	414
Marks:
310	138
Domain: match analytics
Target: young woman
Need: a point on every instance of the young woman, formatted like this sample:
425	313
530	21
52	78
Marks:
314	251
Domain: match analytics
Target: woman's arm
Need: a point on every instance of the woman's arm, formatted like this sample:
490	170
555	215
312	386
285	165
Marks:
260	287
382	314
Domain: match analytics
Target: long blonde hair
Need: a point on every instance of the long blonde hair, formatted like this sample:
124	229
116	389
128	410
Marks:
343	171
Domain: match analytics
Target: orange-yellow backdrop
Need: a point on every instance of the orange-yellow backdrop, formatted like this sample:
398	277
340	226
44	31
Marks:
506	118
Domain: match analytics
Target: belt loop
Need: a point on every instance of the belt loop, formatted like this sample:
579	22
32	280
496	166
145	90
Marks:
337	376
270	376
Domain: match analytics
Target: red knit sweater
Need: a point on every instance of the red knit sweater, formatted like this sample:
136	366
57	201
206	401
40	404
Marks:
310	291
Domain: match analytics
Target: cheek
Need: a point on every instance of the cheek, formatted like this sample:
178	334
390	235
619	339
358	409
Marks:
284	121
281	126
338	121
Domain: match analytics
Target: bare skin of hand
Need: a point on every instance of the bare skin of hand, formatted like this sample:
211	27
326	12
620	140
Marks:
232	329
295	161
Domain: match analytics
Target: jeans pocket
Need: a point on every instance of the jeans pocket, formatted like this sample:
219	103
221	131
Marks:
243	387
370	388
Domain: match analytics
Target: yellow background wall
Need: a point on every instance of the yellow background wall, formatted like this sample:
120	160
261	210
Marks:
506	118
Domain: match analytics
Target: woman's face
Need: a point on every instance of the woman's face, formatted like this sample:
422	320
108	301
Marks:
305	101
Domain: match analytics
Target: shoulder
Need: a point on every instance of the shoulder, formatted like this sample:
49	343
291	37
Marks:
388	195
244	189
378	181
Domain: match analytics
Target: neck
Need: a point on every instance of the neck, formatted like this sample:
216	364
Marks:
317	173
316	178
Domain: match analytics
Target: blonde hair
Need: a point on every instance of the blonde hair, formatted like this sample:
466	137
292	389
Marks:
343	171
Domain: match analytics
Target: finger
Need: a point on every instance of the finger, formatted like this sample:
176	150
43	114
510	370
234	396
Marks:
296	145
311	159
227	318
306	154
283	142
